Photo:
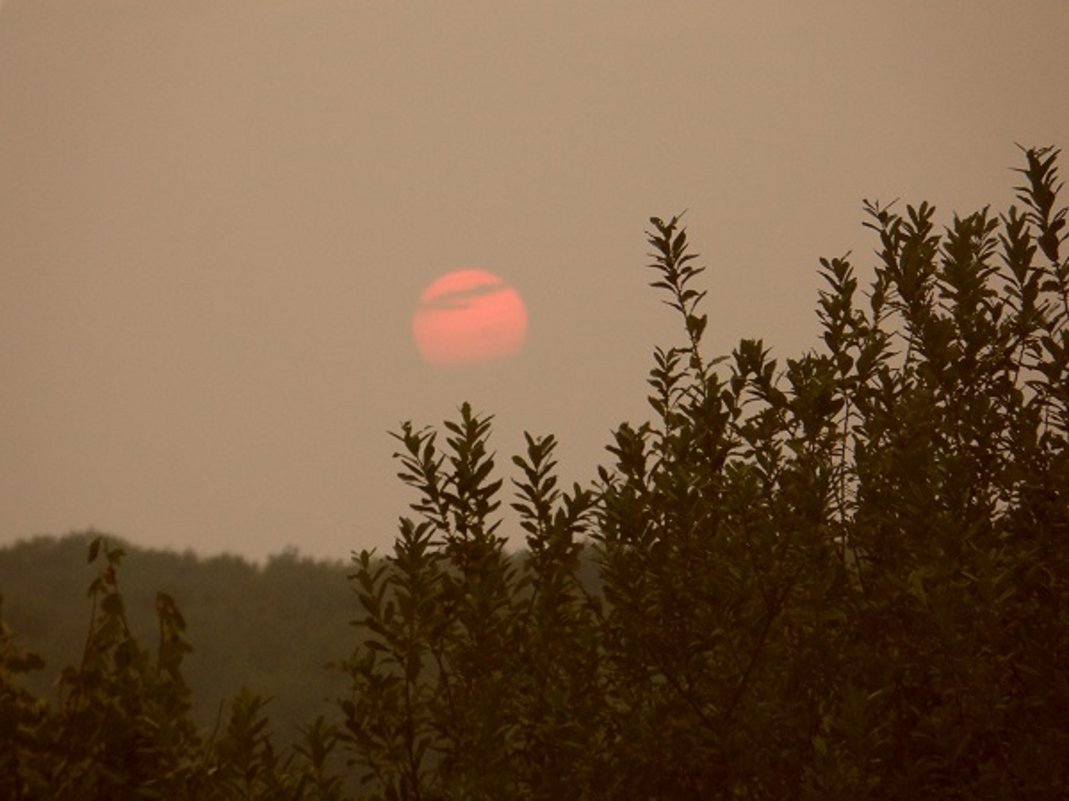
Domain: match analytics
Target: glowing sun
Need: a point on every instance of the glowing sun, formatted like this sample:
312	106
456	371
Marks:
469	316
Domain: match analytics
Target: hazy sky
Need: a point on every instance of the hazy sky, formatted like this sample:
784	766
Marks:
217	216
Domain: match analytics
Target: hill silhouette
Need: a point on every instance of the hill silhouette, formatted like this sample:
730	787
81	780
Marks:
272	628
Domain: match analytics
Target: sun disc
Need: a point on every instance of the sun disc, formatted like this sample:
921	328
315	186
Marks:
469	316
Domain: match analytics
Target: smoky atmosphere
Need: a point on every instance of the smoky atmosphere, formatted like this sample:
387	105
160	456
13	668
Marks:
241	241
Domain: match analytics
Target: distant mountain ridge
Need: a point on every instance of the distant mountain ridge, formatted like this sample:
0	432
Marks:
273	628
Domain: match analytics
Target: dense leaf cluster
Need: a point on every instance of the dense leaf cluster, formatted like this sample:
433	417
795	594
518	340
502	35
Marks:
844	576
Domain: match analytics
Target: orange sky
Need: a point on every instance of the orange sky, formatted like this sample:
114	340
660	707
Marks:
217	216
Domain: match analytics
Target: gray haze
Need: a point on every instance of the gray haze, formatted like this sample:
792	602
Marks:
216	217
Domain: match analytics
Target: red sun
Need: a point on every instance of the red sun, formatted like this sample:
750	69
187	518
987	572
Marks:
469	316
